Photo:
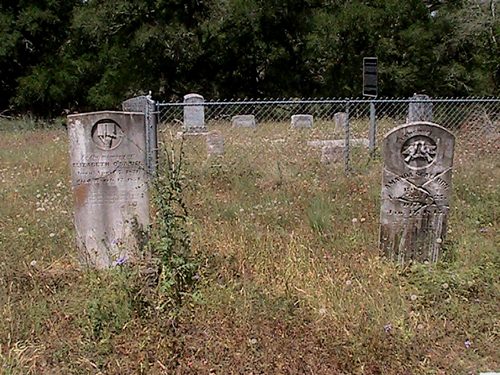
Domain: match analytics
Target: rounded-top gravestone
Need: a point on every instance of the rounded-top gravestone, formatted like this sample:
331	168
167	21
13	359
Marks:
416	189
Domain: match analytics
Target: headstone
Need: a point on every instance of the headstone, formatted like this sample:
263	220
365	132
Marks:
302	121
144	104
215	144
416	188
243	121
194	115
108	172
420	108
340	118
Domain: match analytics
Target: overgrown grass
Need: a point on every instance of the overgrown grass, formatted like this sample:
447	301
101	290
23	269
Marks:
289	275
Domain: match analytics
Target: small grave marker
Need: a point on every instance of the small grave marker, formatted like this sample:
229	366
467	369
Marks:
416	188
340	119
302	121
215	144
243	121
109	183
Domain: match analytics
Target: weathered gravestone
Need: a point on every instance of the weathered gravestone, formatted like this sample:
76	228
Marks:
302	121
144	104
194	115
340	119
108	171
215	144
416	188
243	121
419	109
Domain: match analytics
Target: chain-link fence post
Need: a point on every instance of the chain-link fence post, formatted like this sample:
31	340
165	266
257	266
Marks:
347	135
372	135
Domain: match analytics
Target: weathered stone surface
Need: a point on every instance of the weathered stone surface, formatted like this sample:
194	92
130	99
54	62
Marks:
215	144
302	121
243	121
108	172
340	119
146	105
194	115
419	109
363	142
136	104
416	188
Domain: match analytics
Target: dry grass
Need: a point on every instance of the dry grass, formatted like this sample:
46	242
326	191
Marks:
291	281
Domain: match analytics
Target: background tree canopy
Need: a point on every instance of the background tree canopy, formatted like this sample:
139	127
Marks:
92	54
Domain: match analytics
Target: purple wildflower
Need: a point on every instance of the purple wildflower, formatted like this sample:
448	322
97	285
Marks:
121	261
467	344
388	328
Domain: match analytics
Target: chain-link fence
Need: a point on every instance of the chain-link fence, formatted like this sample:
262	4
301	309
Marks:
352	121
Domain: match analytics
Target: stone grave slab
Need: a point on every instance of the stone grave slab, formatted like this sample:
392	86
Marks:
215	143
302	121
243	121
416	189
109	183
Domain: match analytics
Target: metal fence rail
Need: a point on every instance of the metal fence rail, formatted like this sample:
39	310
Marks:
364	118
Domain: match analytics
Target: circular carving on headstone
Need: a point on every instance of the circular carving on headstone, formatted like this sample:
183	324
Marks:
107	134
419	151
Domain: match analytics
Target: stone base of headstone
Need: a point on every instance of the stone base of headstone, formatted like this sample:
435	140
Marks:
356	142
416	188
188	134
243	121
301	121
109	183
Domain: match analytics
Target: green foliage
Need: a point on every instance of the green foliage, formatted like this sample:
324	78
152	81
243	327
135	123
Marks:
170	241
84	55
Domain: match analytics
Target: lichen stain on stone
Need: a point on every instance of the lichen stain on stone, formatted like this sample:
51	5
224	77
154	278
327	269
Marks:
80	192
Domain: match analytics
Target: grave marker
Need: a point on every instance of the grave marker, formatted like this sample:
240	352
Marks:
109	183
416	189
340	119
302	121
420	108
194	115
215	144
243	121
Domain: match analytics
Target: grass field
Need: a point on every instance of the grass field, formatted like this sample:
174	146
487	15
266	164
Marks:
289	277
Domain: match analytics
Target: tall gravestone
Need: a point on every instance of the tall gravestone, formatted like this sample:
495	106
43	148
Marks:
144	104
340	118
194	114
420	108
109	183
416	189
